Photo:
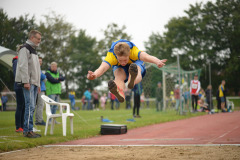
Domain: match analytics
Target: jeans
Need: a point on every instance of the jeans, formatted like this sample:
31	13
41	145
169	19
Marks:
88	104
30	97
56	98
39	108
72	104
20	111
177	103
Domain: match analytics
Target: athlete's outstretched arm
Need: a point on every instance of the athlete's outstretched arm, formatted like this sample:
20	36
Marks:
151	59
101	69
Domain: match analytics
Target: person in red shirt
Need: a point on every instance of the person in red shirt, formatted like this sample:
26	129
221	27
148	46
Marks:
112	97
177	96
194	90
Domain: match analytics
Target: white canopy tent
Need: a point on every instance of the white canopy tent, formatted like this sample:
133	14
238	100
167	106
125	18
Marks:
6	56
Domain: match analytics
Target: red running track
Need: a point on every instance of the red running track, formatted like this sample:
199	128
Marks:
221	128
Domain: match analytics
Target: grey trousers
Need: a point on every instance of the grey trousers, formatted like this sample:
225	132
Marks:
39	108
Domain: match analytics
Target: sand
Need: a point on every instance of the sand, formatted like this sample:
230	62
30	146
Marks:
126	153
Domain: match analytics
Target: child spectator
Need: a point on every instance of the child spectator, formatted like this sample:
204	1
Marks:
103	101
4	99
83	103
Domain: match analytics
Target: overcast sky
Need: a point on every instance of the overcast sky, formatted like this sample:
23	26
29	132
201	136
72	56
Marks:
141	17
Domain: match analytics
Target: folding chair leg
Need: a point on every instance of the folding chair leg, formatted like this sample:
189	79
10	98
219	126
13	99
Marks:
71	123
52	125
46	127
64	124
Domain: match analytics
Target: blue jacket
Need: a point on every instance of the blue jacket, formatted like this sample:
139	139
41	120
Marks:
87	94
4	99
42	83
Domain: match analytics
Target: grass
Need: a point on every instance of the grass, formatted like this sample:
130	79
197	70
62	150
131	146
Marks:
86	124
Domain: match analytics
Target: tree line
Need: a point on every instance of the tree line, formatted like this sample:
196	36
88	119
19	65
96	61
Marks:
209	34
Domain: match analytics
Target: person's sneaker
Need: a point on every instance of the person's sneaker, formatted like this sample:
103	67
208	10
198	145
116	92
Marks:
40	123
19	130
31	135
114	89
133	71
223	110
138	116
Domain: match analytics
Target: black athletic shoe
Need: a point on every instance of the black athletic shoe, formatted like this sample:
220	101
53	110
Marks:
42	123
31	135
114	89
133	71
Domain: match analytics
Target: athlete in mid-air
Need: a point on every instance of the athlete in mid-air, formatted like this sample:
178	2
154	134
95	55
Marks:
127	62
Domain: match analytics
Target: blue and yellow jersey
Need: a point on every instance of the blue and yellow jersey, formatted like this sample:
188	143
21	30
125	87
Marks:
111	58
221	90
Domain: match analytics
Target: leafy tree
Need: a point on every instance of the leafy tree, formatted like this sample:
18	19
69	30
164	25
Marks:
56	45
85	57
13	31
208	34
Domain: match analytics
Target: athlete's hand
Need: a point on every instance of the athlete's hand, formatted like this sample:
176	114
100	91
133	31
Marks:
91	75
161	63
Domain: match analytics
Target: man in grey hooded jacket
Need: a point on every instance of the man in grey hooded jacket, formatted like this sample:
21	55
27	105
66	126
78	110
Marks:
28	74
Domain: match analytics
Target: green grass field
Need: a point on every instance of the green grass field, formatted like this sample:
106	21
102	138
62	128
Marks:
86	124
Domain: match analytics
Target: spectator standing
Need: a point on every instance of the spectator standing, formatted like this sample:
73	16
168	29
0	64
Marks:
19	114
71	96
128	98
83	102
194	89
142	100
40	103
28	74
137	93
95	99
159	97
103	101
177	96
209	100
222	95
147	101
112	97
53	85
117	104
4	99
88	98
186	96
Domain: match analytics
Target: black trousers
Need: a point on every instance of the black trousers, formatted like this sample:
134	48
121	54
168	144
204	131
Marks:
194	100
136	103
128	102
19	114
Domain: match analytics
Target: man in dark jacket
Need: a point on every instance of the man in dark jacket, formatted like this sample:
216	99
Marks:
19	114
53	85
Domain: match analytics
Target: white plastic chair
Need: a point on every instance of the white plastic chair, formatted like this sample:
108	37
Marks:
48	101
